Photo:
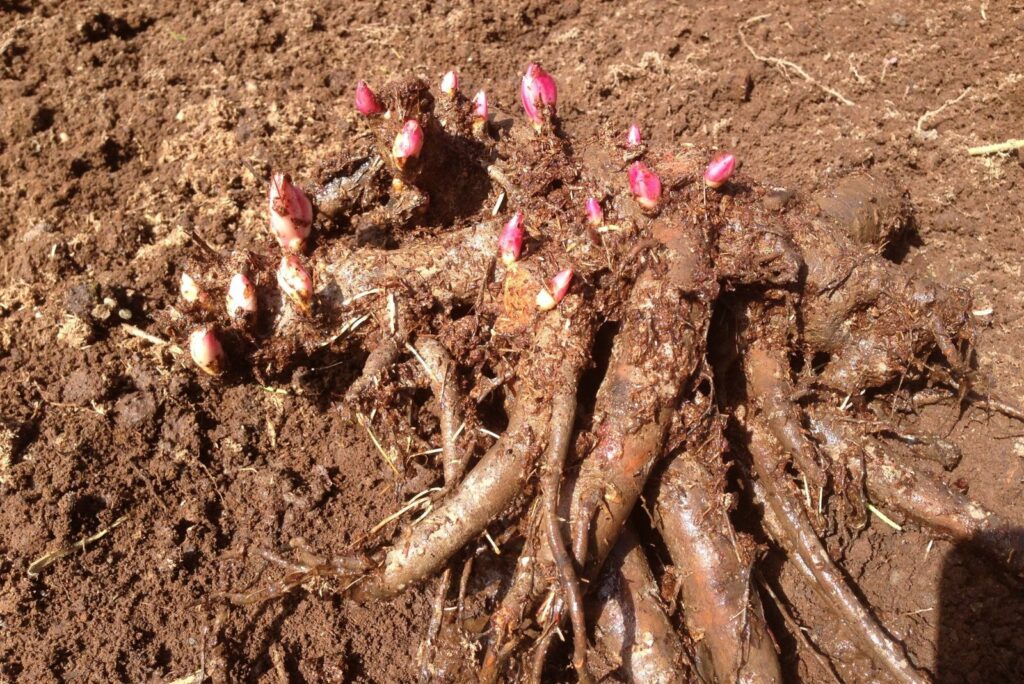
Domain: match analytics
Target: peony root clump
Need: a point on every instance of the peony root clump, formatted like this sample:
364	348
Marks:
664	343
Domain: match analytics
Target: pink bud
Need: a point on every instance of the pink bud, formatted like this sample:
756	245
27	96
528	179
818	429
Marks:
366	102
296	283
556	290
206	350
510	242
190	290
719	170
595	214
291	214
408	142
538	93
241	299
480	109
633	138
450	83
645	185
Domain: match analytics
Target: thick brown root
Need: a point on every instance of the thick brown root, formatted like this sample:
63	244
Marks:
426	652
721	607
559	351
983	399
443	382
800	538
874	320
654	357
999	406
544	568
851	661
780	414
667	311
447	267
931	502
920	496
563	418
631	625
379	360
512	612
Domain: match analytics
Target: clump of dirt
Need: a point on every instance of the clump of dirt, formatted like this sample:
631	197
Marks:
125	131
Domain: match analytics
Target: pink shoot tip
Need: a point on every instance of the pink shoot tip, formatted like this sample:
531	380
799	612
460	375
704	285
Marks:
206	350
595	214
719	170
408	142
538	93
367	103
645	185
479	113
510	242
480	109
549	297
291	214
241	299
633	137
450	83
296	283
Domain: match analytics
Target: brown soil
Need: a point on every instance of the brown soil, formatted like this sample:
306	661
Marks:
120	126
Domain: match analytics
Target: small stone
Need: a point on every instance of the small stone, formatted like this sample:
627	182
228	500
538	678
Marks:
777	199
100	312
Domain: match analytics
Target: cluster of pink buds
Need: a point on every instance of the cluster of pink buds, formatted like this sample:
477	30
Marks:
206	350
450	83
549	297
291	214
539	95
408	143
595	214
719	170
633	137
510	241
295	282
241	299
645	185
291	217
366	102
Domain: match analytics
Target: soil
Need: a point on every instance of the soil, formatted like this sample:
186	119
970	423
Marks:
123	124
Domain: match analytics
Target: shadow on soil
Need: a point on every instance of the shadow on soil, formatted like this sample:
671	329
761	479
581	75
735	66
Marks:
981	621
